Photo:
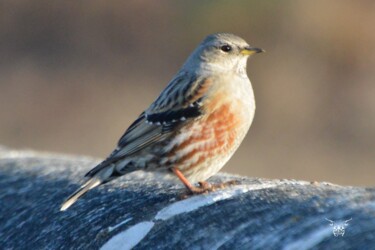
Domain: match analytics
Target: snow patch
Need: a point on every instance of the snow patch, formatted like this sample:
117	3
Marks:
129	238
133	235
110	229
196	202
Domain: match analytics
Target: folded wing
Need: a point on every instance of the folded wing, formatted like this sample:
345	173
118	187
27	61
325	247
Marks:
178	104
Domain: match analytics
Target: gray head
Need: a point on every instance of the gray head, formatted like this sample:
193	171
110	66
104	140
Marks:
221	52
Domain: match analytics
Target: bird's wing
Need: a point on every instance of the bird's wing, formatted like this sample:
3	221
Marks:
177	105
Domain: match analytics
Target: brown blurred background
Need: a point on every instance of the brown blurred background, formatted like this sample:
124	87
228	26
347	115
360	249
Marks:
74	74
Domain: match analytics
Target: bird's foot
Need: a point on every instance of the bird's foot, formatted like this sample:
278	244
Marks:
206	187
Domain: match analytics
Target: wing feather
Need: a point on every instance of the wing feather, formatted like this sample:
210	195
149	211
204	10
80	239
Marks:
176	106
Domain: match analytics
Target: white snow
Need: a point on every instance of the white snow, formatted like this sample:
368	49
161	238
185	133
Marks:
129	238
133	235
110	229
196	202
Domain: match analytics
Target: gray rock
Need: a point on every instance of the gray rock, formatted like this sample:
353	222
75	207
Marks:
143	212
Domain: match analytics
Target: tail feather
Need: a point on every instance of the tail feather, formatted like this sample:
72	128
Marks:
90	184
100	177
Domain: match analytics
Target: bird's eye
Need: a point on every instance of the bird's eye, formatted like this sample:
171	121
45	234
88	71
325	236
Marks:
226	48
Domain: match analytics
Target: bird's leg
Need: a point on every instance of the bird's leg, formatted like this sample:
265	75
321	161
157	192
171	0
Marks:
204	187
193	189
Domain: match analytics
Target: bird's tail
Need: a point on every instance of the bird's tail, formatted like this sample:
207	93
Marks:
90	184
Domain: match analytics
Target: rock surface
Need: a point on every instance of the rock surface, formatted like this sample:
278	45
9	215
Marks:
143	212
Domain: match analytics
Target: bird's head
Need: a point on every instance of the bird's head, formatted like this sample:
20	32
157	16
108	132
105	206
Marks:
222	52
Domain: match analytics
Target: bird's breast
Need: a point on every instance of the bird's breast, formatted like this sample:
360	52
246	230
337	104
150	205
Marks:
205	144
213	138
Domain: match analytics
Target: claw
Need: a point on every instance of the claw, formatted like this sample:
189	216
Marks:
205	187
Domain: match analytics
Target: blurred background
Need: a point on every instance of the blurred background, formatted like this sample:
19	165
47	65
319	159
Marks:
75	74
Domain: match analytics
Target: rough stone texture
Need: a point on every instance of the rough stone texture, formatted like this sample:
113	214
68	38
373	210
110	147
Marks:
141	212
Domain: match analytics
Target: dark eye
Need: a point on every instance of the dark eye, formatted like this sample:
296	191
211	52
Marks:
226	48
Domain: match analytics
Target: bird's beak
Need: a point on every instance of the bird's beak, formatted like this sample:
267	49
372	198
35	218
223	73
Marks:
250	50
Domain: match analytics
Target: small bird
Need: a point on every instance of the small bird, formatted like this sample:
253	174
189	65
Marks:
195	125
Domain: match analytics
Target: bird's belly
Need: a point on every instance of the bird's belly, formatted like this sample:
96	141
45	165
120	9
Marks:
203	147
